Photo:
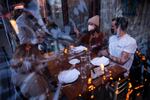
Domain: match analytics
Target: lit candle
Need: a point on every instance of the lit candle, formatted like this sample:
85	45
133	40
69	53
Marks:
111	78
104	77
102	67
86	49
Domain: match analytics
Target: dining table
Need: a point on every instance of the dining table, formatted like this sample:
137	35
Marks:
60	62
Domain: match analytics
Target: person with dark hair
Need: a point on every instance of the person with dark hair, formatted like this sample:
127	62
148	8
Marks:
113	26
121	45
94	39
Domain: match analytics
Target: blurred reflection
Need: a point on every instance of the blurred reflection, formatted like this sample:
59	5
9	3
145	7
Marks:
56	10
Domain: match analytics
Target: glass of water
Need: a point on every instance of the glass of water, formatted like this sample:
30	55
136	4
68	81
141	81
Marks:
83	72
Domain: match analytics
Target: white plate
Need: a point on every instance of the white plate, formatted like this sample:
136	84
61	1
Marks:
68	76
74	61
100	60
79	49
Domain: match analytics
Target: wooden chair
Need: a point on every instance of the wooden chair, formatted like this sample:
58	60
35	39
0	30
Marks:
117	88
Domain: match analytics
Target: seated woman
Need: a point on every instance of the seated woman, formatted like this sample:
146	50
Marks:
26	66
94	39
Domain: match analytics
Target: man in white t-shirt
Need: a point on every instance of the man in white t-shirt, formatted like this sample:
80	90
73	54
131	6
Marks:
121	45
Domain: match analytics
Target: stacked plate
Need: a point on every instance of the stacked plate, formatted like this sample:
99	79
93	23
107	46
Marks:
68	76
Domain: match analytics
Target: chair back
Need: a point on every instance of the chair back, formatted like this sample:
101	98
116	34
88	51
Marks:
119	87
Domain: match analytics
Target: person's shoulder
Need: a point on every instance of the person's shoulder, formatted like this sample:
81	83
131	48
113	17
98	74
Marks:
112	37
130	39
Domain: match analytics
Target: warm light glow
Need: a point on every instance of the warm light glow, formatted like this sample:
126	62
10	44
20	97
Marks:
89	80
130	85
137	52
91	88
14	25
112	85
116	92
80	95
102	67
21	59
104	77
19	6
128	94
65	51
143	58
86	49
145	79
92	96
110	74
111	78
119	79
138	94
130	91
139	87
110	71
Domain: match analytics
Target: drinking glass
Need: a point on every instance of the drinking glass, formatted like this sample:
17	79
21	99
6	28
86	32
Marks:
83	72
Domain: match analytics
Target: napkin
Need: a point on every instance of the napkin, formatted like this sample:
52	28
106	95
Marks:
68	76
96	72
100	60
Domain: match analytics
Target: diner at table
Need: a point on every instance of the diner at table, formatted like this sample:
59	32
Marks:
76	71
71	67
76	68
74	50
79	64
